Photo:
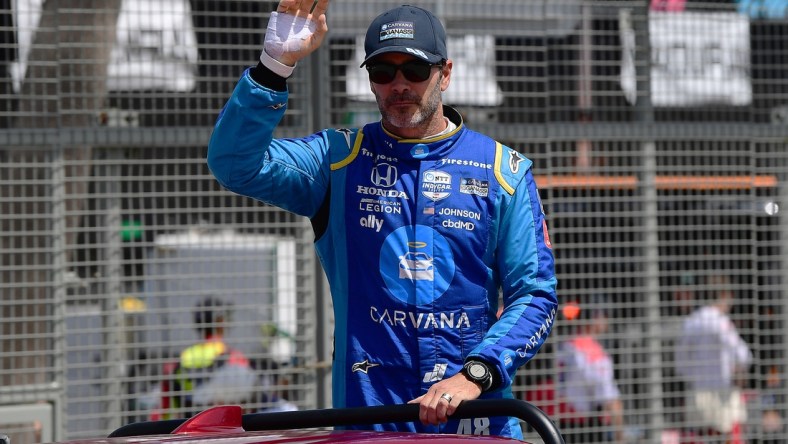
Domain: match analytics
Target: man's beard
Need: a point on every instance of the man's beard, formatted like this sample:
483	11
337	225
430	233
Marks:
401	118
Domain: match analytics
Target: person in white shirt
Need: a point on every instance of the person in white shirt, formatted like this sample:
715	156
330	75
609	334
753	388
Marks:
588	395
709	356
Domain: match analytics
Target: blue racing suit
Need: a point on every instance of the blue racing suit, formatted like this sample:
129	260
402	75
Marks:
416	238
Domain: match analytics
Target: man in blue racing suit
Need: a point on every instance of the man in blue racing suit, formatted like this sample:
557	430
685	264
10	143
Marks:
418	220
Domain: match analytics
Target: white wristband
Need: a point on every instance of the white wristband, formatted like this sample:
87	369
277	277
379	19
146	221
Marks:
276	66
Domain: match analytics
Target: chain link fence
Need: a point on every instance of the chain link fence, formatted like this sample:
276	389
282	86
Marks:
658	131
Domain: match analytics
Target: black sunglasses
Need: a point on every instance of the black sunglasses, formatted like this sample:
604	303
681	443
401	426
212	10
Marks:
414	71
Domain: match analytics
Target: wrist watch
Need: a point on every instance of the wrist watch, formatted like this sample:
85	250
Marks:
479	373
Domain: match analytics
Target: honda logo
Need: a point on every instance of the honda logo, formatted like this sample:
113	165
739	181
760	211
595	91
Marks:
384	175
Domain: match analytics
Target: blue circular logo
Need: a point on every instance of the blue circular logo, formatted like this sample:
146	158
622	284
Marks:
417	264
419	151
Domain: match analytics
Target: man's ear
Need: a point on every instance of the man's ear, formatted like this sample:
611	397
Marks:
446	74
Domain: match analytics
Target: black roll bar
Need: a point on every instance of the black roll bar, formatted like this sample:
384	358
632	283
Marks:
300	419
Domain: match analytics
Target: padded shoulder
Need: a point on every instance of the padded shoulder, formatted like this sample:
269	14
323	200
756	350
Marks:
344	146
510	167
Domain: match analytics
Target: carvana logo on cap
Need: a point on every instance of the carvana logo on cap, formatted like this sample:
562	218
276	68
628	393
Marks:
396	30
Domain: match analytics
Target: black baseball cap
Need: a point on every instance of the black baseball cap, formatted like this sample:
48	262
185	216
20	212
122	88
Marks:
407	29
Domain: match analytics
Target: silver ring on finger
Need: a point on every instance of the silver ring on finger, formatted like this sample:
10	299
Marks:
447	397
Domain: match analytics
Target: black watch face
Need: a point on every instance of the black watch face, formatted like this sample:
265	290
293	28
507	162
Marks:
477	371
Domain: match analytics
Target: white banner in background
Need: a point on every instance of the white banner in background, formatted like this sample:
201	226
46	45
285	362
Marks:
696	59
156	47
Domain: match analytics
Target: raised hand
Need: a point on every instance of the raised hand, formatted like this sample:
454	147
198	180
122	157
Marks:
296	29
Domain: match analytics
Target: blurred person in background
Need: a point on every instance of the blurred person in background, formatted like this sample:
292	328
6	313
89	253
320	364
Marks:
710	355
683	297
588	396
676	304
772	400
210	372
419	222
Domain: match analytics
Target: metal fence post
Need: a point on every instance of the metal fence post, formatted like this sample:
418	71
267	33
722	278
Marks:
60	275
650	225
109	192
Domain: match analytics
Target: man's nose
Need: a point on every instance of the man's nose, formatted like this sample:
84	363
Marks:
400	83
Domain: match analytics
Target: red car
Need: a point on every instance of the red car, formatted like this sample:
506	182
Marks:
225	424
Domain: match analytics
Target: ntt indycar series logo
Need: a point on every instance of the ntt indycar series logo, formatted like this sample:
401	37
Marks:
436	185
